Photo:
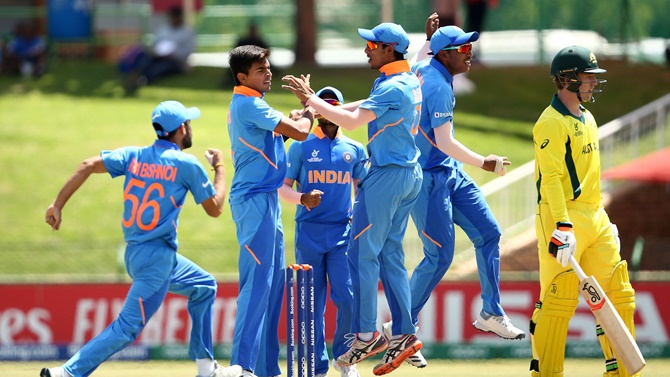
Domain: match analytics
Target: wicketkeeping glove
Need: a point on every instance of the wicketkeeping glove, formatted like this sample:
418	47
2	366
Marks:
563	244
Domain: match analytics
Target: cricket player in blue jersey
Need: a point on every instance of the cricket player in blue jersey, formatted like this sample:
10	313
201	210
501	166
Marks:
385	196
257	134
448	195
327	164
157	179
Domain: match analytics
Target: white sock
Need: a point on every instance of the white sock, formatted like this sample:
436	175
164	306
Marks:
205	367
366	336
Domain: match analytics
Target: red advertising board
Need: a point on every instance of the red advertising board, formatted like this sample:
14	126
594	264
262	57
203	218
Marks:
74	313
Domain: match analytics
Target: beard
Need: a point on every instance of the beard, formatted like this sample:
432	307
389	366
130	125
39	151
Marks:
187	142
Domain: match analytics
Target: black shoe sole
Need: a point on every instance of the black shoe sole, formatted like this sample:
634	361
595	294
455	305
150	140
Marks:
45	372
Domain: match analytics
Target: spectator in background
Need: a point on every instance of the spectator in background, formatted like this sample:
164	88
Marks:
173	43
447	11
25	52
477	10
252	38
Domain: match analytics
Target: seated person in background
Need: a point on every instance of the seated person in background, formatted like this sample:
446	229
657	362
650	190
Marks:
25	52
253	38
173	43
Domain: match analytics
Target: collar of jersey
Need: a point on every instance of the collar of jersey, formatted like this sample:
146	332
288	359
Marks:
166	144
393	68
246	91
560	107
318	132
442	69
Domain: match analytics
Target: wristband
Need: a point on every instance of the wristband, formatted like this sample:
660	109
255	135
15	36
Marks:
217	165
560	225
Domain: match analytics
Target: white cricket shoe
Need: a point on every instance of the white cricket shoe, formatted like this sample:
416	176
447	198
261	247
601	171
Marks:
417	359
248	373
347	370
231	371
54	372
499	325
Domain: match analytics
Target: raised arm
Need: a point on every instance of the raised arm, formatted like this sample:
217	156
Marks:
345	118
432	24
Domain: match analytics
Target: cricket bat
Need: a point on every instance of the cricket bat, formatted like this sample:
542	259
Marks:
616	331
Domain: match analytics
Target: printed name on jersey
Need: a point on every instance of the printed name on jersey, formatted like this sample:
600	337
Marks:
315	157
590	147
441	115
155	171
347	157
329	176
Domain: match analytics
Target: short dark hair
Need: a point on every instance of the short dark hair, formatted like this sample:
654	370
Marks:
241	58
169	135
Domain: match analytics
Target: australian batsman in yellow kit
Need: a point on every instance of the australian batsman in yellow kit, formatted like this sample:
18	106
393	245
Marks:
567	176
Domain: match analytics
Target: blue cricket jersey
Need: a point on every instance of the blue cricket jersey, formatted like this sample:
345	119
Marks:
157	180
396	101
330	166
258	152
437	109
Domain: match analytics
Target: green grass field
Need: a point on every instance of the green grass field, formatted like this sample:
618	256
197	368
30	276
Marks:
78	108
435	368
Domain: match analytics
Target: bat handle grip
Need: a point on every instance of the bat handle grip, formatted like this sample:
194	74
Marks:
577	268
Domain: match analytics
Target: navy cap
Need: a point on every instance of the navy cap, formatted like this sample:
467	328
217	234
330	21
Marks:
388	33
171	114
450	36
330	89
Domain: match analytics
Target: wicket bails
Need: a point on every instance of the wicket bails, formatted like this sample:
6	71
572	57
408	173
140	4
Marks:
306	329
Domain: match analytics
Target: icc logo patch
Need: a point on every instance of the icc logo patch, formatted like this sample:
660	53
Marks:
347	157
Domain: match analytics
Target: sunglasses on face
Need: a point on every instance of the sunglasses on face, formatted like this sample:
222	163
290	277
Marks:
333	102
374	45
463	49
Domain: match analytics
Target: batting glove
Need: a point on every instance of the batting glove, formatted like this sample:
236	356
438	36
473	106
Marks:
563	244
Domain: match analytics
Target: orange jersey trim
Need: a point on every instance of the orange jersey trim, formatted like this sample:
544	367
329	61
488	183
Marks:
252	254
363	231
398	66
384	129
427	138
259	151
431	240
246	91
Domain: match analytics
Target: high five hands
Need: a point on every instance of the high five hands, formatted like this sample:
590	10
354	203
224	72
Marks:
299	86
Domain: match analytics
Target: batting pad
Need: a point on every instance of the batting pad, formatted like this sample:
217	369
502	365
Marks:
622	297
551	319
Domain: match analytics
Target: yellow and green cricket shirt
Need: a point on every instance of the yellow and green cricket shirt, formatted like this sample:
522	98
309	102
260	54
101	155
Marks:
567	159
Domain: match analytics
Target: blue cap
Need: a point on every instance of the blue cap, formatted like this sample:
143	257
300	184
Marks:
388	33
330	89
450	36
171	114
